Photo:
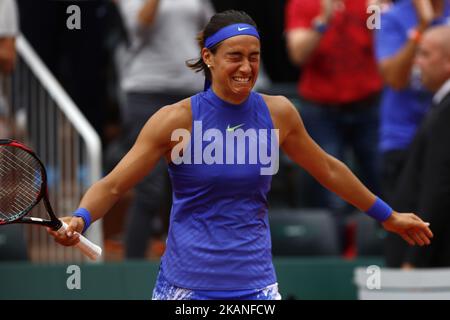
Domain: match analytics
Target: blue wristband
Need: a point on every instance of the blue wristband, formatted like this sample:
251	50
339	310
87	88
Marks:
85	215
380	210
320	27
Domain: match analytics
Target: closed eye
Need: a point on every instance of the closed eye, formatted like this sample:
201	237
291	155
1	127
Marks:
234	56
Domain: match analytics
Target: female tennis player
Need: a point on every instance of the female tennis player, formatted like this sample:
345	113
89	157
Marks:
221	153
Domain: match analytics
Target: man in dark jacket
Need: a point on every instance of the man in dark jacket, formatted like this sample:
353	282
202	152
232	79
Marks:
424	186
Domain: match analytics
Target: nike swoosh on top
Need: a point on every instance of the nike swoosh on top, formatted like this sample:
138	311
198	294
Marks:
235	127
242	29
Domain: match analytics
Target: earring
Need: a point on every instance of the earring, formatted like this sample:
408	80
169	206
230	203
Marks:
208	65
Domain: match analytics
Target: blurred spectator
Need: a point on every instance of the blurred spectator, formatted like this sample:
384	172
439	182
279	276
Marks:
162	37
405	101
8	32
424	185
81	59
340	85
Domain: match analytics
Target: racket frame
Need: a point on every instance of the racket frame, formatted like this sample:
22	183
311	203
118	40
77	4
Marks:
90	249
54	222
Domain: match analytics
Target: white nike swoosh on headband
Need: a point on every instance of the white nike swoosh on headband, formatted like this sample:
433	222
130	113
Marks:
242	29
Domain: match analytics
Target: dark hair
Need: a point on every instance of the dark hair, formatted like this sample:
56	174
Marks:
217	22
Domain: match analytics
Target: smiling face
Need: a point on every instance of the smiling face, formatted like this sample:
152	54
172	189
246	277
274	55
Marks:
234	67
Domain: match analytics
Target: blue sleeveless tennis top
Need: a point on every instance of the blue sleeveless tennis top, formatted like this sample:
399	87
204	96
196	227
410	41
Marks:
219	236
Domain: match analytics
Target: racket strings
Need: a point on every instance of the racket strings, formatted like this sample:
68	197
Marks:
20	182
16	187
14	203
15	200
27	168
33	179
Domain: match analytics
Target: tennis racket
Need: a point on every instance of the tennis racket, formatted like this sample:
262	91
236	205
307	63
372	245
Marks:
23	183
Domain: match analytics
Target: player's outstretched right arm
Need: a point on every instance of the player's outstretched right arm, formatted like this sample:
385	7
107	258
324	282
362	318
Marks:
153	142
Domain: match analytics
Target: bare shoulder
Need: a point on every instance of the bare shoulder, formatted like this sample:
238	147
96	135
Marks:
175	116
285	116
281	109
158	130
166	120
279	105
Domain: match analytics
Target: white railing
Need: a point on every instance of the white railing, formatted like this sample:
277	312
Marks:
40	113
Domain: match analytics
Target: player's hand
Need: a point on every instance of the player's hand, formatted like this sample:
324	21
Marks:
410	227
425	13
71	236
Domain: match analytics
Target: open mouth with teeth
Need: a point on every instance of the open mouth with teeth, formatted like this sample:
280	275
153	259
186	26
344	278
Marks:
242	79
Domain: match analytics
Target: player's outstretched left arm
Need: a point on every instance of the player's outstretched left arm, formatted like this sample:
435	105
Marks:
338	178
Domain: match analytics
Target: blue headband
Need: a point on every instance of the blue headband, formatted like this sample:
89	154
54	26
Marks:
232	30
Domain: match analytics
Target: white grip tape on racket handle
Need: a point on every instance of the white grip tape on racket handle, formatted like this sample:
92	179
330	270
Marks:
90	249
